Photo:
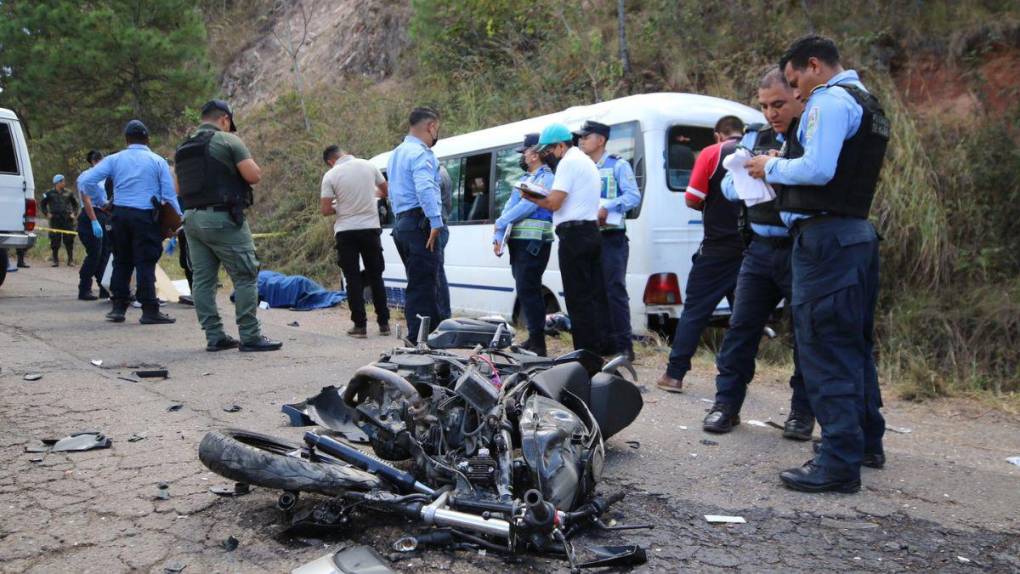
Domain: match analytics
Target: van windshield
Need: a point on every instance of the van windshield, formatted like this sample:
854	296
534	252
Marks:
683	144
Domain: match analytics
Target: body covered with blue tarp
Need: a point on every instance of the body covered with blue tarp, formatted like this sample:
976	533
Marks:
296	292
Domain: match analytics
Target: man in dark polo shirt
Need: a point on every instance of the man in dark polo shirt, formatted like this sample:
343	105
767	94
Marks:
717	262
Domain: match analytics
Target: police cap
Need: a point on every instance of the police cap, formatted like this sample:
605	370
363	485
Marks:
591	127
221	106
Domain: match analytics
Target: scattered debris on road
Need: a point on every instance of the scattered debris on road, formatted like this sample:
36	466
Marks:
327	409
232	408
128	379
163	491
97	362
153	374
230	544
723	519
174	407
1014	460
774	425
616	557
354	560
707	442
33	377
634	443
293	324
899	430
755	423
77	442
239	489
174	568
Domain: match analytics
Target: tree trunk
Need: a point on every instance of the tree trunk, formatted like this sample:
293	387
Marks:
621	19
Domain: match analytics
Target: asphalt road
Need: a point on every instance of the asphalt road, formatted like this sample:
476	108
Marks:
947	499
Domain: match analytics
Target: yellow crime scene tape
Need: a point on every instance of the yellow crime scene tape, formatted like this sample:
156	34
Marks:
253	235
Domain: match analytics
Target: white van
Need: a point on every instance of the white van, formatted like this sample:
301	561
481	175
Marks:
17	191
659	134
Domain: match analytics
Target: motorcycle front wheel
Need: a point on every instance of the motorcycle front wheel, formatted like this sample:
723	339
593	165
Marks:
271	462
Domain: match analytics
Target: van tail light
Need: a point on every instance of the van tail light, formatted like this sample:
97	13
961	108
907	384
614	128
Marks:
29	215
662	289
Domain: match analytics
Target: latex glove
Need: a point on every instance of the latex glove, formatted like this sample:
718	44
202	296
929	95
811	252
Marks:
170	246
97	230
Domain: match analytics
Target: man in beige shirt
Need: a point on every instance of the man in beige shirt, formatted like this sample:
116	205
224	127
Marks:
349	192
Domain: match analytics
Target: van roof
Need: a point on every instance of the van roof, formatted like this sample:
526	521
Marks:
655	111
7	114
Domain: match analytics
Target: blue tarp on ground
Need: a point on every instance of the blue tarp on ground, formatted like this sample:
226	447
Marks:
296	292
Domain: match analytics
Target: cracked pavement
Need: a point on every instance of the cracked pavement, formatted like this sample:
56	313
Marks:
947	500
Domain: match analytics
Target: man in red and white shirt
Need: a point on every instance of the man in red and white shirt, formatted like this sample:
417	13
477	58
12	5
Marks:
714	272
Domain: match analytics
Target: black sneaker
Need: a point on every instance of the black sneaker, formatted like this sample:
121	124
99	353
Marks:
261	344
720	419
87	296
227	342
799	426
156	318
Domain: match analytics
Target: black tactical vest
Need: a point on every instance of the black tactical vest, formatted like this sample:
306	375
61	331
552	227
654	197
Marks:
766	213
204	181
720	216
851	190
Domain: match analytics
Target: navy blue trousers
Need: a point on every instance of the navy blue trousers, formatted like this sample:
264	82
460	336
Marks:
615	253
712	278
442	287
410	232
137	246
97	251
528	259
764	280
835	289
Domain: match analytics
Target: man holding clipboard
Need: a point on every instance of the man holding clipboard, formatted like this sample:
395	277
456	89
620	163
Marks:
527	231
574	201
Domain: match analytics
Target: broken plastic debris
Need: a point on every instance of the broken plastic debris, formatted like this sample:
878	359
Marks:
707	442
755	423
354	560
77	442
174	567
1014	460
174	407
263	305
616	556
293	324
128	379
239	489
899	430
153	374
634	444
97	362
136	437
230	544
963	559
231	408
163	491
723	519
33	377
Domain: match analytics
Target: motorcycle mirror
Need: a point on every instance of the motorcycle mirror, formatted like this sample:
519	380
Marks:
621	361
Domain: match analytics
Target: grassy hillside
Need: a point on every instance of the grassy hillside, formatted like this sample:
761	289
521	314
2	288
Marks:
948	202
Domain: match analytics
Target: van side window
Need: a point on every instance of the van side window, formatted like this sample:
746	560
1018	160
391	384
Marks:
683	144
472	189
8	155
507	174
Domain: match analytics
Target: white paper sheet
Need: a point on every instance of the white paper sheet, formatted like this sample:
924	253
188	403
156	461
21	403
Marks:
753	191
614	217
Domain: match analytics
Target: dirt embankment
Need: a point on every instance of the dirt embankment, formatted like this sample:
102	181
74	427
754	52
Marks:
342	38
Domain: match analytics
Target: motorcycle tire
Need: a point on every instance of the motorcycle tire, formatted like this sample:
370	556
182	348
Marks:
265	461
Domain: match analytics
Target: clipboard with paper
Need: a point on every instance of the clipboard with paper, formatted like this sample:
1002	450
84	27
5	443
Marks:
532	189
750	190
504	239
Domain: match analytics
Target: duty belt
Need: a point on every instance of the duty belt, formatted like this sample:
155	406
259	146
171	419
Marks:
532	229
775	242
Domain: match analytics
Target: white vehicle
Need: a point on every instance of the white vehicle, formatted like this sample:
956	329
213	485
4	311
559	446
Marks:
659	134
17	191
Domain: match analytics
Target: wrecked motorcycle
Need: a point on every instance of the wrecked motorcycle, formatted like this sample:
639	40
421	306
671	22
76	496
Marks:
499	448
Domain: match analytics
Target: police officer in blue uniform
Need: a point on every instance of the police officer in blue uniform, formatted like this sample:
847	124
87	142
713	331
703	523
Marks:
92	226
142	182
828	180
413	173
529	243
764	279
620	194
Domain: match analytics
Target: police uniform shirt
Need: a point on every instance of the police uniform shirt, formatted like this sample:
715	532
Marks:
830	117
226	147
138	176
577	176
413	172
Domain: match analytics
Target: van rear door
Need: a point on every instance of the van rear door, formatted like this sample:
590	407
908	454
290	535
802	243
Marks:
15	174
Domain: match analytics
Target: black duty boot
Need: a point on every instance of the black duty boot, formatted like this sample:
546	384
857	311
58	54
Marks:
536	346
151	315
263	343
55	262
87	296
721	419
116	314
870	460
813	478
227	342
103	293
799	426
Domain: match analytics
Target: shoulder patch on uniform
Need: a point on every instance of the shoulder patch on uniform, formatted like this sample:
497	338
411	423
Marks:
812	124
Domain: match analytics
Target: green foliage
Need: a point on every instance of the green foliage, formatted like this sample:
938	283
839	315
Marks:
77	71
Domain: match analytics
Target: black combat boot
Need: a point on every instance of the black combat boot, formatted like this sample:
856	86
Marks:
721	419
814	478
799	426
151	315
116	314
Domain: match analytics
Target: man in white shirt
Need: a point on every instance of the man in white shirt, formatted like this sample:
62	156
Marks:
349	192
574	201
